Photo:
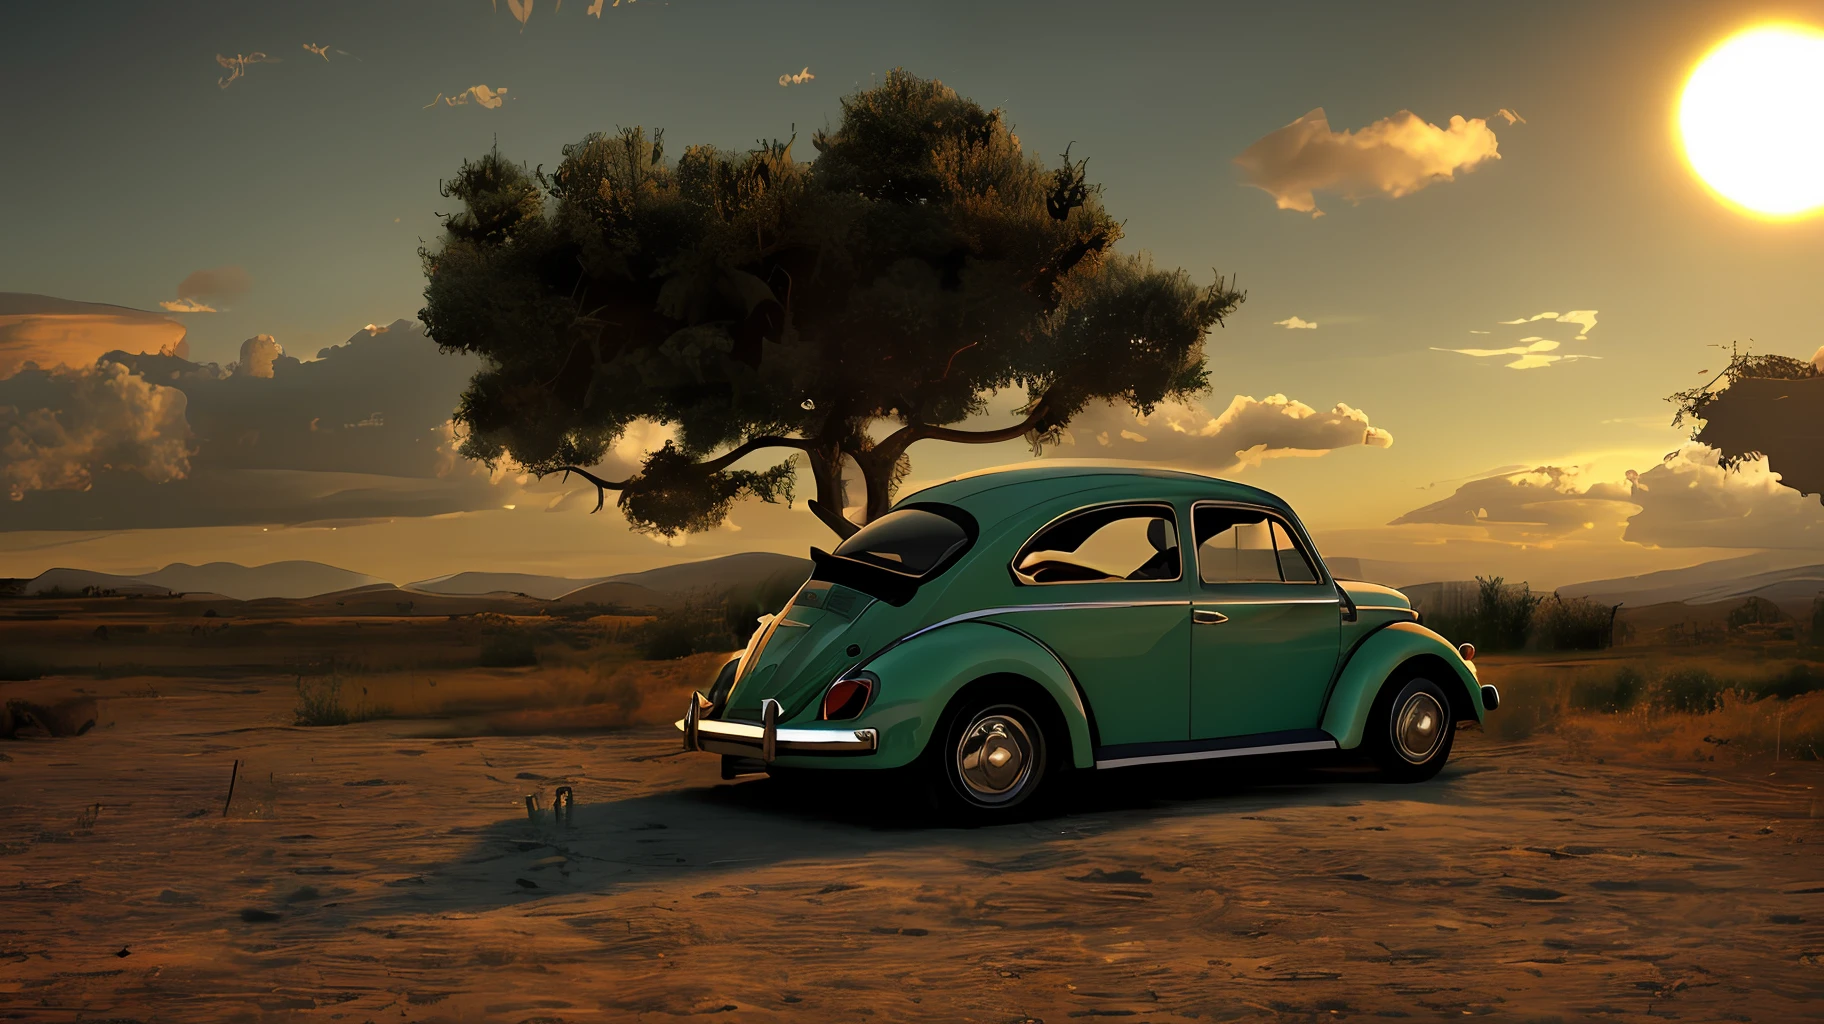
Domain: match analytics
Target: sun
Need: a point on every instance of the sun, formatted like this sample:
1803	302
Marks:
1748	119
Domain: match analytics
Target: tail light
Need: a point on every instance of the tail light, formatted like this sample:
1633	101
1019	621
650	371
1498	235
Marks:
848	697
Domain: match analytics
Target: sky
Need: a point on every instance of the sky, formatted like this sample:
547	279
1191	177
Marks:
294	200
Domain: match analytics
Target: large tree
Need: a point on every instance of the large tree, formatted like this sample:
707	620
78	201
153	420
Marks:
840	310
1768	406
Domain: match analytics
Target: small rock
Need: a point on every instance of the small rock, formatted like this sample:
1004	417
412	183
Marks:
254	915
124	953
525	883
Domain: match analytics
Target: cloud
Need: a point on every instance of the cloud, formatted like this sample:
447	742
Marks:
1393	157
237	65
258	354
798	79
1247	432
186	306
1296	324
1509	116
490	98
1585	319
199	292
1686	501
1531	356
358	432
86	421
50	332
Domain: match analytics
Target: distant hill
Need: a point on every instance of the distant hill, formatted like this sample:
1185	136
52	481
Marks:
293	579
718	575
75	581
545	587
1729	580
386	599
631	596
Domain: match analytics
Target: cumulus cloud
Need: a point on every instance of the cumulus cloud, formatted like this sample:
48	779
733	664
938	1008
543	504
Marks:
1296	324
1393	157
357	432
258	354
98	418
1585	319
1684	501
490	98
1245	433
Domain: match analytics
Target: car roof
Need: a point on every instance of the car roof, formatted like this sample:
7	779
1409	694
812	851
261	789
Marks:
991	494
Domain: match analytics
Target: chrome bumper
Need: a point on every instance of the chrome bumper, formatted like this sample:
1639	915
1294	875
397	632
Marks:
767	741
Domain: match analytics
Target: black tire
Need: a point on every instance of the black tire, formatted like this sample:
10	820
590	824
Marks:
1411	729
989	760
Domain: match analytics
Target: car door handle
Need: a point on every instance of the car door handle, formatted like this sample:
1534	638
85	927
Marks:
1207	616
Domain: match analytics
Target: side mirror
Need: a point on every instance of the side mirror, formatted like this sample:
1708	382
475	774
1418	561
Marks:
1348	606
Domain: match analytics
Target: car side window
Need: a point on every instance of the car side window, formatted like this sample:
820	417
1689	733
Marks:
1102	545
1239	545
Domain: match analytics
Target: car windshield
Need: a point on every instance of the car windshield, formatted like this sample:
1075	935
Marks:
910	541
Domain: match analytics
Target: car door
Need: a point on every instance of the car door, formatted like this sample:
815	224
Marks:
1105	587
1266	625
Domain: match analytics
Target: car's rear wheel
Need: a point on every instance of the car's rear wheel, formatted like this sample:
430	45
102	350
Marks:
988	761
1411	730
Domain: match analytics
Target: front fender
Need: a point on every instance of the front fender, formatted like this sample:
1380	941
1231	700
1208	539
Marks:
919	677
1373	662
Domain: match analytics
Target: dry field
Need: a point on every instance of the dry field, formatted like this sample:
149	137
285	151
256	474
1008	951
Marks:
388	870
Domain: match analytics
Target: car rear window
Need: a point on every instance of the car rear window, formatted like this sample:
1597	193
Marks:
910	541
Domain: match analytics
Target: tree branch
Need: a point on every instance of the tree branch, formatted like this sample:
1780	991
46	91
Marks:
715	465
901	439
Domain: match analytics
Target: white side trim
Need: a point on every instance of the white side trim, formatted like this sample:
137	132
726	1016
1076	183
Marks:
1205	755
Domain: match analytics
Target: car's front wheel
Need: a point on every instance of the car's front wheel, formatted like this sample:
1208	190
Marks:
988	761
1412	729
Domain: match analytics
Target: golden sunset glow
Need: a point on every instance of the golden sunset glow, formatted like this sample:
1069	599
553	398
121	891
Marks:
1748	120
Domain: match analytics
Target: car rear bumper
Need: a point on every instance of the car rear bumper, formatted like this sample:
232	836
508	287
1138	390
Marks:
767	741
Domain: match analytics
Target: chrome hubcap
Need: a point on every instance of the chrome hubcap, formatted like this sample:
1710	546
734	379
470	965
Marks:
1419	728
994	757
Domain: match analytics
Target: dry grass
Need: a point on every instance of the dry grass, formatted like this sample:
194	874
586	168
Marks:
609	690
1668	705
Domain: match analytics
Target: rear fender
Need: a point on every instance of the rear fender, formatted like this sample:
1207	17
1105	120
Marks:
1379	659
919	677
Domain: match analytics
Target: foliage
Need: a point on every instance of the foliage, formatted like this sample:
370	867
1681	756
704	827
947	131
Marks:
1576	624
509	649
16	667
1767	407
1753	612
694	628
758	304
1817	620
320	703
1617	692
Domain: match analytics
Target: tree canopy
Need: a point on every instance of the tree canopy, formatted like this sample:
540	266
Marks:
1769	406
920	264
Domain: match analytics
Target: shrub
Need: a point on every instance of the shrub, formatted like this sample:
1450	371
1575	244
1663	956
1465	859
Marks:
320	703
691	629
1795	681
1504	614
508	650
1618	692
1755	611
1578	624
1693	691
17	668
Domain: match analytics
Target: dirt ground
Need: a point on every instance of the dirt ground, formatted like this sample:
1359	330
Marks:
371	873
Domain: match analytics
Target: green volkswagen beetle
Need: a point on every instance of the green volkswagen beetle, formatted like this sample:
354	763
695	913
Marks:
995	630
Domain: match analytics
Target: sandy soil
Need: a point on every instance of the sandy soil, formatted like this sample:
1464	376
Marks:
369	873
